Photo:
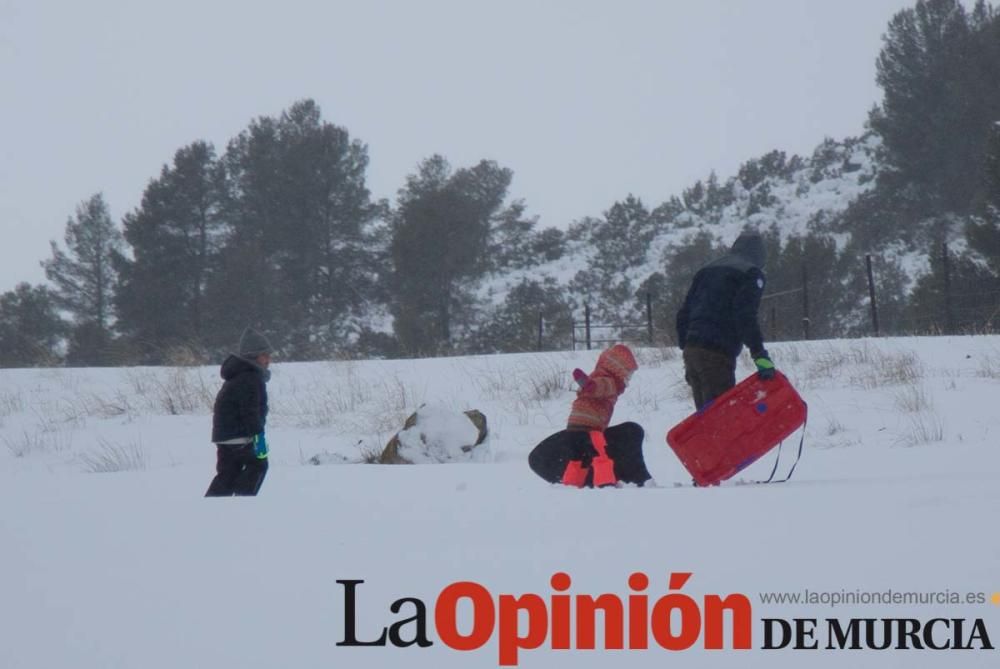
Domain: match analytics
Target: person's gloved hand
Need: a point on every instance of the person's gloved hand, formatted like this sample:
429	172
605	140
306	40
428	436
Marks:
260	446
765	366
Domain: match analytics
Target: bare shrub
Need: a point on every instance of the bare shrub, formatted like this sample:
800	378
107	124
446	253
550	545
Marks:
343	400
181	391
681	392
11	403
989	366
493	383
833	426
925	428
889	368
902	367
912	398
392	402
525	390
41	441
71	411
119	403
789	354
647	397
185	355
544	384
174	391
139	381
25	444
396	396
370	455
322	405
830	361
114	457
50	420
325	457
526	385
655	356
826	363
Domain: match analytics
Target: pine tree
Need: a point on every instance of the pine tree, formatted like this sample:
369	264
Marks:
512	238
30	327
717	196
175	236
622	238
548	244
694	197
85	280
659	289
441	232
938	70
302	218
957	295
811	259
513	326
983	231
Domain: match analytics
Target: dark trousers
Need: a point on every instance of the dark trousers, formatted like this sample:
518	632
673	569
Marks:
550	457
709	373
239	471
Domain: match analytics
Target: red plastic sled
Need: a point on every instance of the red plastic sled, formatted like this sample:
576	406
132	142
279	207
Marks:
737	428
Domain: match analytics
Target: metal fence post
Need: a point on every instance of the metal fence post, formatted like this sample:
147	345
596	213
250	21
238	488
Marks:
649	316
949	314
805	301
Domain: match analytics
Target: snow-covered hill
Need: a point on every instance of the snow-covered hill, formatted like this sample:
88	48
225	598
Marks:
794	196
896	491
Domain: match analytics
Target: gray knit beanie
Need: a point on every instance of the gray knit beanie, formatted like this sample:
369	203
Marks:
253	343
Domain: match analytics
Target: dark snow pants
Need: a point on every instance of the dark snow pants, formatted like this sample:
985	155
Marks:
709	373
239	471
550	457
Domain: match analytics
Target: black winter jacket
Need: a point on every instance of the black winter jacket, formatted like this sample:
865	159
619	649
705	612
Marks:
720	311
241	405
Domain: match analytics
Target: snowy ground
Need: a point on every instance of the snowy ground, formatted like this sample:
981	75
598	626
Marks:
897	489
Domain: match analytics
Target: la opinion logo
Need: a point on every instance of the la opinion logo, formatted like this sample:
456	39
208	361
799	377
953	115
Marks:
562	621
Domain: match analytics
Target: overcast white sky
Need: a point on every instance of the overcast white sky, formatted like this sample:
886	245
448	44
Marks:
585	100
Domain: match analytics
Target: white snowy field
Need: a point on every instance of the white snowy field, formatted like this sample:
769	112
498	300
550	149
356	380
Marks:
896	491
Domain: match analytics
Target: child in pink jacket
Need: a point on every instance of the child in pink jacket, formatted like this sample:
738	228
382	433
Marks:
588	453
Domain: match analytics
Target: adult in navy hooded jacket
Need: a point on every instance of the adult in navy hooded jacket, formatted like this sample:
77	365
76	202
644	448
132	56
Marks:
719	317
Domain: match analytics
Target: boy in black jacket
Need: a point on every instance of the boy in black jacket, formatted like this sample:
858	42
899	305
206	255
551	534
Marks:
239	417
719	316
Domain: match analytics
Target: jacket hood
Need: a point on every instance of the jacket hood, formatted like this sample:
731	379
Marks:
617	361
750	247
747	252
234	365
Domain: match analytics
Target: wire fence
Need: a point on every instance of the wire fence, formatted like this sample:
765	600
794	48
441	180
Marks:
785	315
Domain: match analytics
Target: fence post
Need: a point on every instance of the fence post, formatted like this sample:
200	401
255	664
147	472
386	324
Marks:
586	323
805	301
541	329
649	316
774	323
949	314
871	293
